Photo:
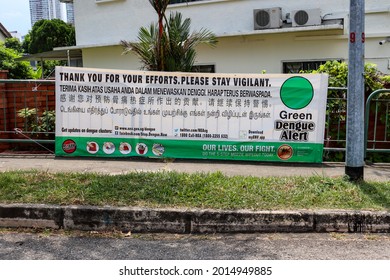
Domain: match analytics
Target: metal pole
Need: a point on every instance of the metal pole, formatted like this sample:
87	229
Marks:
68	54
355	99
43	69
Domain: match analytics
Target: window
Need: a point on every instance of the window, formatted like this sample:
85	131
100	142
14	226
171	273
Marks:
298	66
203	68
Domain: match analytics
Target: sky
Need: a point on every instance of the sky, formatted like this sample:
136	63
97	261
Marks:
15	15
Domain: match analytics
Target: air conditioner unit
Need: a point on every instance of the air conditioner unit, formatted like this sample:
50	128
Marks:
306	17
267	18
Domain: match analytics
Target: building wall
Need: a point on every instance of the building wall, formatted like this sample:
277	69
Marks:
241	48
117	20
110	58
2	37
4	34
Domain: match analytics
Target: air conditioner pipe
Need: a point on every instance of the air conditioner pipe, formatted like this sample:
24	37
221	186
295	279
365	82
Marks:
384	41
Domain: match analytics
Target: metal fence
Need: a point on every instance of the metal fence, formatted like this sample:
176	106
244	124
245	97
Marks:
376	125
24	106
377	122
335	120
24	113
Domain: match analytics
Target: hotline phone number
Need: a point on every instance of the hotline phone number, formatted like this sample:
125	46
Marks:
205	135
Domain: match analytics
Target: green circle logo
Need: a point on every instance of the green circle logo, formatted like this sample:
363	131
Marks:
296	93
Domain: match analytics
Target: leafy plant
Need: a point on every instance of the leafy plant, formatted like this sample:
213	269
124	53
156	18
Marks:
16	69
168	45
38	124
336	104
386	81
47	121
338	75
30	118
13	43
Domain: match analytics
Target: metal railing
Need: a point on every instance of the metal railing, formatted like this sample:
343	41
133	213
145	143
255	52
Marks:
377	121
22	103
379	139
335	120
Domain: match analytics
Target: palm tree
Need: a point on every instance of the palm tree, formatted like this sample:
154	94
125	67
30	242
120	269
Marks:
182	43
168	45
160	7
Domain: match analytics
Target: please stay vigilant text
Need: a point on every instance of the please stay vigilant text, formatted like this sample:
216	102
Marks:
165	80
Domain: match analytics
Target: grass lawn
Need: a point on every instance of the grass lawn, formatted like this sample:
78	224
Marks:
200	190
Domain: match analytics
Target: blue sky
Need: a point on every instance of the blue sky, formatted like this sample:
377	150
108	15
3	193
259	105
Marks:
15	15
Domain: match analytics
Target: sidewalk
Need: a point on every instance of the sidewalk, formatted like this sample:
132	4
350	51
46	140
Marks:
188	220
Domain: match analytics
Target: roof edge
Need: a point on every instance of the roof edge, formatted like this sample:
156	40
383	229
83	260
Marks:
5	31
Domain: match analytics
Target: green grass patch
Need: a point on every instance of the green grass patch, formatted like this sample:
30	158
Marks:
199	190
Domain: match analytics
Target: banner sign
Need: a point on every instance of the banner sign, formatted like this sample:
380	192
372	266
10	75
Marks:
260	117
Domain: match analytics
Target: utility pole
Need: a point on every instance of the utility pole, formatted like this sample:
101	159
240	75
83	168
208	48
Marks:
354	167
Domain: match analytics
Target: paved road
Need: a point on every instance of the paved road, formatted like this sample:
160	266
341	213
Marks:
378	172
51	246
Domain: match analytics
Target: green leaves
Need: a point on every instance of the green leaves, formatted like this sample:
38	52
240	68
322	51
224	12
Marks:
48	34
35	123
146	48
17	69
338	75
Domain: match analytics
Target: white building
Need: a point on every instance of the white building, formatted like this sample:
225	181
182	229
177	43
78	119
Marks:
46	9
70	13
254	35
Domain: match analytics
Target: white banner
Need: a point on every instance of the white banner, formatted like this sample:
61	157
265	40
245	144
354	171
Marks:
210	109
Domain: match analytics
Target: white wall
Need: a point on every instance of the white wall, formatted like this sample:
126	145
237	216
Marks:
110	22
2	37
110	58
246	51
253	55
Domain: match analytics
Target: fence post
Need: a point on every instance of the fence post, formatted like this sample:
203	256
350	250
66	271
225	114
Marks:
3	110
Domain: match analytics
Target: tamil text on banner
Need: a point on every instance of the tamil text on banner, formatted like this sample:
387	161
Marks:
261	117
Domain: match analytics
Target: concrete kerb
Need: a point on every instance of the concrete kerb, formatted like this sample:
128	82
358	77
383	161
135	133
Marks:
192	221
31	216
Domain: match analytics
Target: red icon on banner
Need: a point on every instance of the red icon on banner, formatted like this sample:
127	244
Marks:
141	149
69	146
92	147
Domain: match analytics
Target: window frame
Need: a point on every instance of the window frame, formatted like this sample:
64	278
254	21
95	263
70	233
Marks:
306	64
201	68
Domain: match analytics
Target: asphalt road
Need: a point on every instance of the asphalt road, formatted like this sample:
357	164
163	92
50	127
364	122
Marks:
97	246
